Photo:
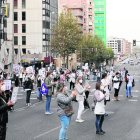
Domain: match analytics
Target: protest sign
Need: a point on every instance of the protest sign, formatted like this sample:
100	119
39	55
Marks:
7	84
29	69
16	67
14	94
41	72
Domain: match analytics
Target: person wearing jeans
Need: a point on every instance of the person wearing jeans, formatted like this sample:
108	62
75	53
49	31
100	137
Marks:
64	101
99	110
49	84
80	97
129	81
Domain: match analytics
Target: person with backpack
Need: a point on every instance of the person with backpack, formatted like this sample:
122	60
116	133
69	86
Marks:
130	84
49	84
65	109
99	108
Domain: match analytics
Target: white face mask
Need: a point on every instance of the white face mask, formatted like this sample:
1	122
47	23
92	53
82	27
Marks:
3	88
80	81
102	87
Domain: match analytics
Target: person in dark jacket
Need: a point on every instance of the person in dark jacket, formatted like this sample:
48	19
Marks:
3	111
28	88
39	87
49	84
63	102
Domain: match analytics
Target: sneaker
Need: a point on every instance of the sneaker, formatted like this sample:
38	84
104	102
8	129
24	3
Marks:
50	112
47	113
103	131
99	133
28	104
79	120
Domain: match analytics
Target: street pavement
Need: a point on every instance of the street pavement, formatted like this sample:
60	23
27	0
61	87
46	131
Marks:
122	123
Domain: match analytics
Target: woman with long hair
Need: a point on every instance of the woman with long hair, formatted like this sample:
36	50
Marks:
64	102
99	107
49	84
80	97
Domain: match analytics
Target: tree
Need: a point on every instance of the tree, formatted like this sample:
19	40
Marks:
66	34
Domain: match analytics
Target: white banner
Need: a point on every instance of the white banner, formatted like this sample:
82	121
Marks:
16	67
29	69
41	72
14	94
7	84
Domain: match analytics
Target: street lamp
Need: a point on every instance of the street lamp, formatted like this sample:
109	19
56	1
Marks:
51	38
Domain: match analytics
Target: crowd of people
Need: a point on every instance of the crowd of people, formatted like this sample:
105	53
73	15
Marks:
55	83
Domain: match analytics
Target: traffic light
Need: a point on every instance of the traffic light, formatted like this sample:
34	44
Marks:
7	8
134	42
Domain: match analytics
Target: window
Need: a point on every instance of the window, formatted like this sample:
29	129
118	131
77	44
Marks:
15	16
74	3
84	20
15	40
23	28
23	4
84	13
15	28
16	51
90	3
23	40
15	4
75	11
24	51
23	15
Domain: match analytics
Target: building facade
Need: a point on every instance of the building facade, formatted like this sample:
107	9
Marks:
83	10
33	20
100	18
119	45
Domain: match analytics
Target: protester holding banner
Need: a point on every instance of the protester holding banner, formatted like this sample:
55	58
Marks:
3	111
130	83
49	84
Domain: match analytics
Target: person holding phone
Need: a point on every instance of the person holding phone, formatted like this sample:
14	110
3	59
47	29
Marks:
80	97
4	107
64	103
99	107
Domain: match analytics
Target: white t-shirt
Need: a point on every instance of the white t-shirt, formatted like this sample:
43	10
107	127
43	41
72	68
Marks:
105	82
116	85
130	81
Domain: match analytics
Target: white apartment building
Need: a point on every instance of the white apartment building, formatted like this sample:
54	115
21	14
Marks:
33	20
117	44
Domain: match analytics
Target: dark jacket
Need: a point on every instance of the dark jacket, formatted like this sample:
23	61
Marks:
28	83
3	111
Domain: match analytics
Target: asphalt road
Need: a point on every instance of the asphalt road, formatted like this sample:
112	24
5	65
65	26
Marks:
123	123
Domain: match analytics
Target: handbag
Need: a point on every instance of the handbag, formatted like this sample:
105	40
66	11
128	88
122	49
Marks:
44	90
69	111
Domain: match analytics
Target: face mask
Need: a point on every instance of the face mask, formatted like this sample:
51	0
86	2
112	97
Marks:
102	87
3	88
80	81
86	77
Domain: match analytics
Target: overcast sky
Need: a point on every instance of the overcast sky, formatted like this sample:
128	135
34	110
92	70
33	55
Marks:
123	19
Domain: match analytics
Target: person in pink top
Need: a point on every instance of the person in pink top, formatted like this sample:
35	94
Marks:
62	78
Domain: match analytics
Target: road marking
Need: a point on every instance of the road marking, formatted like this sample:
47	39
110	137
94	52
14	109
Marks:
135	91
47	132
33	98
108	112
93	90
19	94
121	95
19	98
133	100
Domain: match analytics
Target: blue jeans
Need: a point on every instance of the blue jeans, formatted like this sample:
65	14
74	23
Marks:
48	101
94	77
128	90
65	121
99	122
98	79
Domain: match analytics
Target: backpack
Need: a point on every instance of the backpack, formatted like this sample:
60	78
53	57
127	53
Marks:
44	90
93	103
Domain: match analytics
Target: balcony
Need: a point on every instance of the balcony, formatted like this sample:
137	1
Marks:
79	14
80	21
76	7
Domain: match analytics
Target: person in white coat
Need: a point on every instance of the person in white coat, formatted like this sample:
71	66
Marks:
99	107
80	97
72	80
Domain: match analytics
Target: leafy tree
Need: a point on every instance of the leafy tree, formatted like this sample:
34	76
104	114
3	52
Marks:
66	34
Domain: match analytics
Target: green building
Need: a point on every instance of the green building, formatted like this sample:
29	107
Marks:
100	19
